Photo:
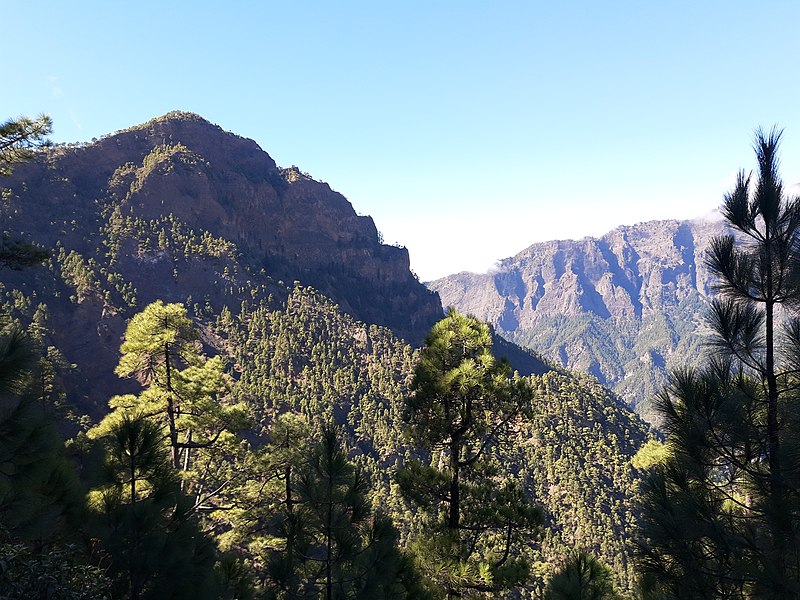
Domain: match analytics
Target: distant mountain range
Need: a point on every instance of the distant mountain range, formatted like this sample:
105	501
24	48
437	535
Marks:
624	307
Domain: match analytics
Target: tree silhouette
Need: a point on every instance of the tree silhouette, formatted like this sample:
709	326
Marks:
144	522
582	577
333	546
722	512
19	140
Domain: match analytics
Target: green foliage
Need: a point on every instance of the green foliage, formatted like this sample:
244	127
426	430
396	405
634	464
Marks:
304	355
17	358
581	577
333	546
721	513
20	139
631	357
18	254
78	274
651	454
152	544
463	405
41	504
293	351
575	458
39	493
57	573
184	391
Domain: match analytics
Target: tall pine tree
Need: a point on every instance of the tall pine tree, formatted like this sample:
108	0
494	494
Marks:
183	391
143	521
722	513
464	403
335	547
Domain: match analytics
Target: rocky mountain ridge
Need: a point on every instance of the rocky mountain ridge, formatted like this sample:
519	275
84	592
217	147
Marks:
279	220
617	307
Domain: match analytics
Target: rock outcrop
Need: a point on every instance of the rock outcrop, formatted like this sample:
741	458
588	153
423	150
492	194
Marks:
212	181
612	306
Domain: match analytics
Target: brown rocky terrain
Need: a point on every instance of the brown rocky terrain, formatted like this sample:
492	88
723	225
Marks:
209	180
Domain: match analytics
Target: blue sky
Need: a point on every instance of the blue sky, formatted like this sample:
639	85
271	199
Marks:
467	130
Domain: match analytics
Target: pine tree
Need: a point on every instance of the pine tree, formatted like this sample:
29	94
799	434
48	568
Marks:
722	512
184	391
41	501
144	522
19	140
262	503
334	547
464	403
582	577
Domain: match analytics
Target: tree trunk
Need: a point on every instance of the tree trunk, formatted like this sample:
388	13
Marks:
133	480
173	430
454	520
776	501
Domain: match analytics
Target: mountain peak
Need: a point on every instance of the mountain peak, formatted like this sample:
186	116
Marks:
173	116
599	304
181	167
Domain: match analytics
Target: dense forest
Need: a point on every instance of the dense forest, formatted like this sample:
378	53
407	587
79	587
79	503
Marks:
257	440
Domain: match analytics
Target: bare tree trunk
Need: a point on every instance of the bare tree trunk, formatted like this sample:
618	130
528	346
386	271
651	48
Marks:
173	430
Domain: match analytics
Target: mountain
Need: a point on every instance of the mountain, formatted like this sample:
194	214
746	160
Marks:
178	209
292	288
183	167
623	307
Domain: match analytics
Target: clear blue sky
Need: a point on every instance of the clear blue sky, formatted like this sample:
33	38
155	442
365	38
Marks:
468	130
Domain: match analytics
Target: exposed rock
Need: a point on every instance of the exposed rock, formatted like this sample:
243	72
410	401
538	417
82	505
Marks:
606	306
212	181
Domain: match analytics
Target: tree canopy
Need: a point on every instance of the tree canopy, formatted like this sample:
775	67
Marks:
20	138
463	405
722	511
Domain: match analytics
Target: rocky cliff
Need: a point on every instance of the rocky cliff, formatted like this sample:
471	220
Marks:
622	307
179	210
207	180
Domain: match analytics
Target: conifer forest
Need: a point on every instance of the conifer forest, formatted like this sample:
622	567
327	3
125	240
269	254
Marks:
217	381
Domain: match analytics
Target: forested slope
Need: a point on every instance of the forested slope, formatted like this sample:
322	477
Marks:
624	307
573	456
125	230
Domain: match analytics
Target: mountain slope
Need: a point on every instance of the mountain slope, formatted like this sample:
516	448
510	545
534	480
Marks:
623	307
177	209
207	180
156	212
573	457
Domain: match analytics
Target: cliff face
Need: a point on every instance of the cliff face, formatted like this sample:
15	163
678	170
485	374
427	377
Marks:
208	180
631	272
614	306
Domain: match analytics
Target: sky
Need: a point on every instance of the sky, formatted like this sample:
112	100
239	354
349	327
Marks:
468	130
